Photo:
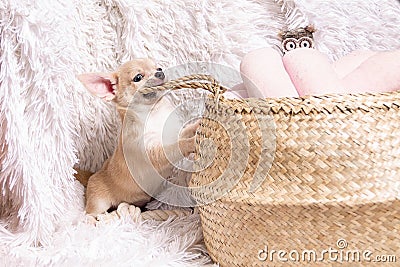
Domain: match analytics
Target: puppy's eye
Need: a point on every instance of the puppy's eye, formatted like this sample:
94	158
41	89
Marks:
138	78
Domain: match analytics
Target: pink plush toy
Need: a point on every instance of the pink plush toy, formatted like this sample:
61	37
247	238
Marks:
304	71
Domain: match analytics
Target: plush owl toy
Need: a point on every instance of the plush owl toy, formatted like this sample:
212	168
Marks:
298	38
303	70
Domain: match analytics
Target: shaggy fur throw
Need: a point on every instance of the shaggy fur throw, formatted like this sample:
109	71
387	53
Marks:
49	123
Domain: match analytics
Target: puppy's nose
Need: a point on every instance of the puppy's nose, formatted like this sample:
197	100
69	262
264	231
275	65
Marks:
160	74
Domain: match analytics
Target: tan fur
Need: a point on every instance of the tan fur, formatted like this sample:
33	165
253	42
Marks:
113	183
82	176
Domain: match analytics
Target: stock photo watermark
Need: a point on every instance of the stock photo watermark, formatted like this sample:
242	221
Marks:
340	253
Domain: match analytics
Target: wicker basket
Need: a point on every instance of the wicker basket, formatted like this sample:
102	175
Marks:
334	180
300	175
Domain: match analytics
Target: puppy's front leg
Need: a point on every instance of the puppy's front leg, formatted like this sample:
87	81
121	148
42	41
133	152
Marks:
98	199
163	157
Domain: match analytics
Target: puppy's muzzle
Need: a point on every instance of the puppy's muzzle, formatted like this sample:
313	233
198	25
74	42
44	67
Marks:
159	74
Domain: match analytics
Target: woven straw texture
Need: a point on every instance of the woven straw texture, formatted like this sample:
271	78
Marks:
298	174
334	175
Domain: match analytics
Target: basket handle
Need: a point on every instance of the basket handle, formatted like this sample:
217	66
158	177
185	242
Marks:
194	81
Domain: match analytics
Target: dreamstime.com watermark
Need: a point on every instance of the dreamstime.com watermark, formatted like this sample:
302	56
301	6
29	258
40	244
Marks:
338	254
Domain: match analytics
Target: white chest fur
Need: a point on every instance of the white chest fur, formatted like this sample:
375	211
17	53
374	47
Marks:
149	126
152	124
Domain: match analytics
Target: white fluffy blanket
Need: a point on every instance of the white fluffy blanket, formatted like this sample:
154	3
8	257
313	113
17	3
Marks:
49	123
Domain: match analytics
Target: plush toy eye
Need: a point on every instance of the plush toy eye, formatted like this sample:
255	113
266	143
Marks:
138	78
289	44
306	42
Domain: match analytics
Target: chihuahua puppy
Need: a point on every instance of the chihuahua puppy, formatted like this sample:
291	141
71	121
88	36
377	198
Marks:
144	151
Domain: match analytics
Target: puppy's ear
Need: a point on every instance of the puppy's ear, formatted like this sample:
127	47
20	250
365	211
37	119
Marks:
100	84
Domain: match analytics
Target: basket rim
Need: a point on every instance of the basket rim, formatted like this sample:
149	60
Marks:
327	103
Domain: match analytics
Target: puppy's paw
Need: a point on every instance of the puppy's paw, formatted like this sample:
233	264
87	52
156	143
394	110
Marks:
187	141
91	219
107	218
123	212
187	146
190	130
